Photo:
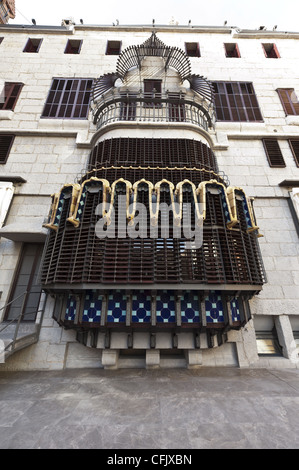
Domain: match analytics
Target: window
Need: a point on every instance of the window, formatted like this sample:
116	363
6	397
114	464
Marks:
1	39
32	45
26	280
294	144
289	100
192	49
273	153
113	47
236	101
11	94
68	98
266	336
232	50
271	51
152	88
73	46
6	141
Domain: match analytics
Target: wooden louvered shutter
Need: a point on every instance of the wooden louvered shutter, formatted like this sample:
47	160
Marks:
289	101
294	144
273	153
6	141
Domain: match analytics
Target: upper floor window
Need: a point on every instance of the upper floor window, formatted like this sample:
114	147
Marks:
289	100
236	101
73	46
232	50
271	51
113	47
11	93
33	45
6	141
192	49
68	98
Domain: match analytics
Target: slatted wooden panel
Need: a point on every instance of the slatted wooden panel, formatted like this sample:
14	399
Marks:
294	144
273	152
6	141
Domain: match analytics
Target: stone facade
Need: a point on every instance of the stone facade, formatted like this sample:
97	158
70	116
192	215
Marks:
48	153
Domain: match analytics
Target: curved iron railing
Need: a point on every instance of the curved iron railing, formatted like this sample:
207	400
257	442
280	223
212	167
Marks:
120	106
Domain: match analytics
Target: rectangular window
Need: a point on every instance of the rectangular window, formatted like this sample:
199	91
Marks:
232	50
289	101
6	141
33	45
113	47
73	46
192	49
26	280
11	94
294	144
273	153
271	51
236	101
68	98
266	336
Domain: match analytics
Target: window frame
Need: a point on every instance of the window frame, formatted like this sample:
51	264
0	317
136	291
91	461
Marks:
188	50
2	162
228	109
58	102
287	103
268	53
228	49
69	45
108	48
9	94
30	43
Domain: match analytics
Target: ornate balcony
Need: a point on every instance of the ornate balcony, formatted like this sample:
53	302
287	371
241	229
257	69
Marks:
120	104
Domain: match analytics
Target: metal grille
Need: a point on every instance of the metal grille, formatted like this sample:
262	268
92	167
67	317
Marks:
153	152
76	255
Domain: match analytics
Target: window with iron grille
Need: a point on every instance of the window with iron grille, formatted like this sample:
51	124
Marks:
113	47
6	141
294	144
192	49
232	50
11	94
33	45
27	283
273	153
236	101
289	100
73	46
271	51
68	98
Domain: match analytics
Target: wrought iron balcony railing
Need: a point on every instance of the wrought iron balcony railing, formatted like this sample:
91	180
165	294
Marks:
126	105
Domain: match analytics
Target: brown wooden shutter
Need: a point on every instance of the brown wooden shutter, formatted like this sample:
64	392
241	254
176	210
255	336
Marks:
6	141
273	153
294	144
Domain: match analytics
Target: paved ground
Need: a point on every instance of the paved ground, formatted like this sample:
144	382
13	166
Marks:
150	409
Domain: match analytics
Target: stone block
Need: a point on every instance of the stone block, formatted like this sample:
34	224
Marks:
152	359
110	358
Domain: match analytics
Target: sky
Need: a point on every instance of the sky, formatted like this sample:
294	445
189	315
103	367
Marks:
245	14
